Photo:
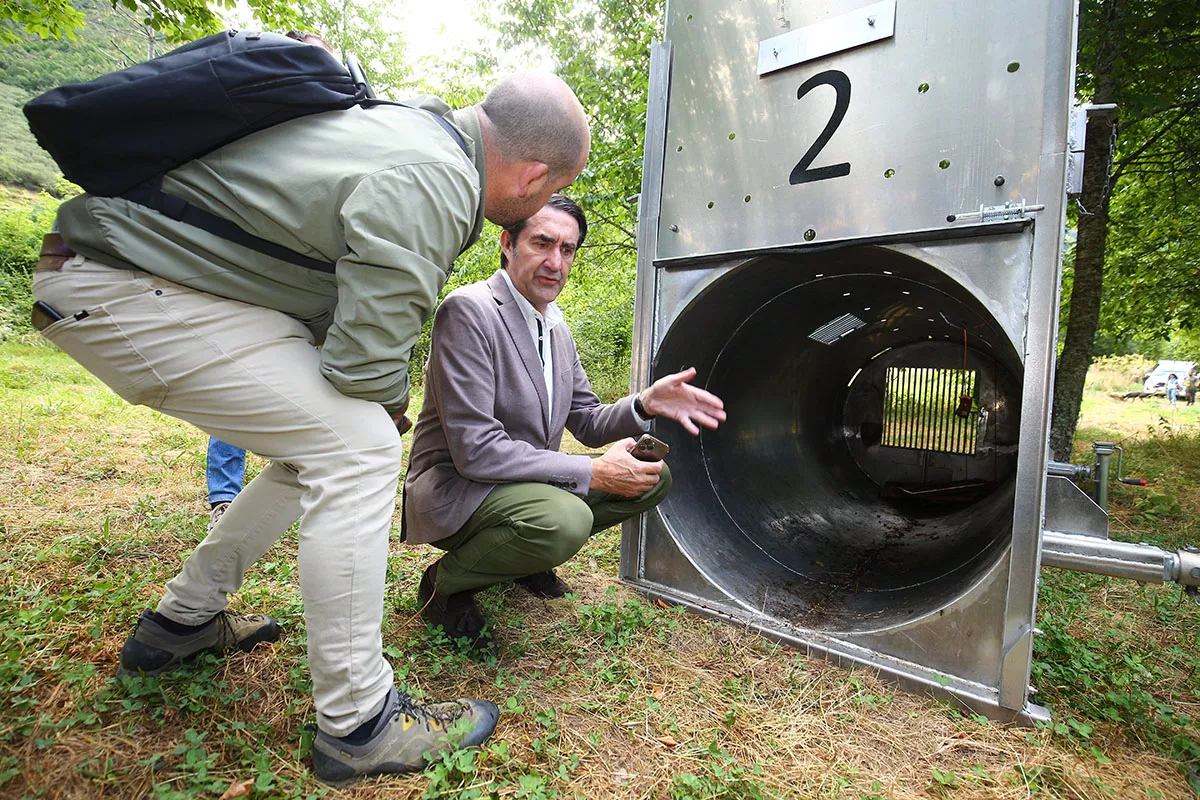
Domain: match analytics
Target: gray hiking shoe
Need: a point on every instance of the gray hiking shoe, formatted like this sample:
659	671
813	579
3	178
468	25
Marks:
153	650
406	736
216	513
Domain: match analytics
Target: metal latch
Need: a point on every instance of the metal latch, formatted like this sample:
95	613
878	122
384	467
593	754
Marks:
1008	212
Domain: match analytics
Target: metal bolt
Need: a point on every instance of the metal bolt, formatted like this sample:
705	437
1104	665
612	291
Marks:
809	235
999	181
674	229
871	21
775	52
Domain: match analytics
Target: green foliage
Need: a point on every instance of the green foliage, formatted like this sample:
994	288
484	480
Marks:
1118	373
598	303
21	233
1109	674
1152	240
57	18
113	39
720	776
22	161
177	20
362	28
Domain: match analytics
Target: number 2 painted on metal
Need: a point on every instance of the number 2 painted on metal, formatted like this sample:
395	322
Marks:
841	84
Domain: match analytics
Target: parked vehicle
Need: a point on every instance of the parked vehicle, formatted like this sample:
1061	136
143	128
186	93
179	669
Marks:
1156	380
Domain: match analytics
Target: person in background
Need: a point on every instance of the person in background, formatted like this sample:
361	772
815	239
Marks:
224	471
1193	385
1172	388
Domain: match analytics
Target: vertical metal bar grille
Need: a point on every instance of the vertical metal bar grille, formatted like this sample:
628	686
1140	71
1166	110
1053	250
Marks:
919	405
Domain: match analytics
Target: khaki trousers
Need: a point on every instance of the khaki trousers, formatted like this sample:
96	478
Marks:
249	376
524	528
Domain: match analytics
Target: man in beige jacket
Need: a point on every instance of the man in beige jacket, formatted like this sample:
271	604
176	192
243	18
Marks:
195	326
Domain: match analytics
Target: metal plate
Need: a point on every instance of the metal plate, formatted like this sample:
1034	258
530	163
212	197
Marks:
1070	510
953	607
868	24
873	142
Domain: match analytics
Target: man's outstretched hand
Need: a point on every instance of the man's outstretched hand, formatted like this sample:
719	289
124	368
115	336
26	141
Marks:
674	397
619	473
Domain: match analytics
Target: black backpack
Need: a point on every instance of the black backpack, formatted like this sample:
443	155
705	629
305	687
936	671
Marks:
116	135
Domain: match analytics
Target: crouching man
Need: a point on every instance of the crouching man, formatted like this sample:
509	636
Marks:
486	482
206	330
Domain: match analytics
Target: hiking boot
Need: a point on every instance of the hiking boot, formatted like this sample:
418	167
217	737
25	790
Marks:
217	512
544	584
457	614
406	737
154	649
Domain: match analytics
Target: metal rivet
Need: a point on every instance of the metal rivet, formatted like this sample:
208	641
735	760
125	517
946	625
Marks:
809	235
999	181
871	21
674	229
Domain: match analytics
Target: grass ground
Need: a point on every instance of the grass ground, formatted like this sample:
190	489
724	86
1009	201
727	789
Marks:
603	694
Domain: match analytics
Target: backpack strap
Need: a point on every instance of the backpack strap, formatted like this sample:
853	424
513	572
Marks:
151	195
450	130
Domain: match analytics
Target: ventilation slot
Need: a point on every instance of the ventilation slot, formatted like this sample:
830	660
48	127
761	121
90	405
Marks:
835	329
930	409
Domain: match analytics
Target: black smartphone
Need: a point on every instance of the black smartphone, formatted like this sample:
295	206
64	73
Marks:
648	448
43	316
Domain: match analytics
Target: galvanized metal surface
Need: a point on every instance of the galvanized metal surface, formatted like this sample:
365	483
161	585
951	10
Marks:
632	549
1070	509
794	517
1138	562
888	138
782	506
828	36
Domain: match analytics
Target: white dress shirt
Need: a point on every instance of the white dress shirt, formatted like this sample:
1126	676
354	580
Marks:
546	322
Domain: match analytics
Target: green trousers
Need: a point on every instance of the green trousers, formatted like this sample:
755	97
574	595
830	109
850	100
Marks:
525	528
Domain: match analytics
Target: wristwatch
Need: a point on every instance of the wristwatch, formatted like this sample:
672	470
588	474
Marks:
640	409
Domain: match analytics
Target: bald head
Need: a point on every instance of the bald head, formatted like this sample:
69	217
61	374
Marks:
534	116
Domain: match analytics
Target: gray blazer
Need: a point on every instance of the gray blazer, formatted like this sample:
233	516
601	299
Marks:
485	420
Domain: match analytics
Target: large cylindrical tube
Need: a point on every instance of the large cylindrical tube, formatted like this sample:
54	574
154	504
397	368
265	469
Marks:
864	477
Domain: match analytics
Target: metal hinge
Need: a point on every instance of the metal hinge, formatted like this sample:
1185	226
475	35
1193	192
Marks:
1076	136
1008	212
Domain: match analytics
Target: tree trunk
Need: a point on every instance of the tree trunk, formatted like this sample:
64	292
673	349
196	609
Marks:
1084	306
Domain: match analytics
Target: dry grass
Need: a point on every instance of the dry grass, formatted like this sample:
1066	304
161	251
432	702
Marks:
603	694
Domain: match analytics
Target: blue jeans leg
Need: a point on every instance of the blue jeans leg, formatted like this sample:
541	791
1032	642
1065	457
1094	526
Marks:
226	470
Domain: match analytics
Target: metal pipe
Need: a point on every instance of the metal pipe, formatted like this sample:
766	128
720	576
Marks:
1104	451
1139	562
1062	469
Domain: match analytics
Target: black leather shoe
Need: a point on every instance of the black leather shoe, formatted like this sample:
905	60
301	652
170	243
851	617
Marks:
457	614
544	584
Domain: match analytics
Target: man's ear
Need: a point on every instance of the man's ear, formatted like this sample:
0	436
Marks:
506	244
532	178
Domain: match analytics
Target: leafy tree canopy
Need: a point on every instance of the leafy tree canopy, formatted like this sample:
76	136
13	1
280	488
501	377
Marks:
176	20
1153	249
